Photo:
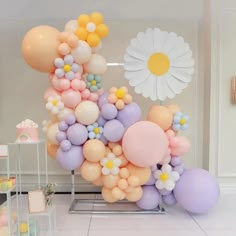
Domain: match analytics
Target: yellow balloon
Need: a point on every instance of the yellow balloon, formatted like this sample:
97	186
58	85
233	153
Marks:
40	48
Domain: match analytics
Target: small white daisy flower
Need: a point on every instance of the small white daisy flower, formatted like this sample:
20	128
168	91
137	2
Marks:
110	165
166	178
54	104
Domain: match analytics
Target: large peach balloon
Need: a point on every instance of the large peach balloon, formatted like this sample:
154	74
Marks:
52	149
144	144
52	132
142	173
98	182
90	171
107	195
173	108
135	194
161	116
40	46
94	150
110	181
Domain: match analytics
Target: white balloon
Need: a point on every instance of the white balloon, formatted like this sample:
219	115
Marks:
96	65
64	113
52	132
87	112
71	26
82	53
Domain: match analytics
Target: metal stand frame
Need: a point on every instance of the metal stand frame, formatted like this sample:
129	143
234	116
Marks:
99	206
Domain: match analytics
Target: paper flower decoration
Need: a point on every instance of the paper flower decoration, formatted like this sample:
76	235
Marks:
93	82
158	64
119	97
180	121
95	131
66	67
110	164
54	104
166	178
91	28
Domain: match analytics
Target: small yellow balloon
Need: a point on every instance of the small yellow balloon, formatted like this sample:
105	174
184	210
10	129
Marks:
93	40
81	33
83	20
102	30
96	18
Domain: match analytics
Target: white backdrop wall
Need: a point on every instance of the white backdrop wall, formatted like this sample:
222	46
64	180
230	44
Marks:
22	88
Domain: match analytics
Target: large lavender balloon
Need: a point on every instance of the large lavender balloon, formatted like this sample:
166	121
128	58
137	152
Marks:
197	191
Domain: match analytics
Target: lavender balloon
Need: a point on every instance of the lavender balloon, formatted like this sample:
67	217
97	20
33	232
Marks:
63	126
169	199
113	130
77	134
102	100
151	180
150	199
164	192
197	191
60	136
65	145
129	115
72	159
109	111
70	119
175	161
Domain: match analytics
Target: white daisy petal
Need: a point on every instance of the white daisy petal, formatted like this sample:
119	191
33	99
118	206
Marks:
169	91
161	91
141	39
160	185
134	65
117	162
174	176
166	168
169	185
138	46
139	88
103	161
179	51
178	62
105	171
169	43
176	85
181	75
136	54
149	89
157	174
115	171
140	79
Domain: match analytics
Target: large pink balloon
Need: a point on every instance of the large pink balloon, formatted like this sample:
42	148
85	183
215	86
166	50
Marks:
145	144
71	98
40	46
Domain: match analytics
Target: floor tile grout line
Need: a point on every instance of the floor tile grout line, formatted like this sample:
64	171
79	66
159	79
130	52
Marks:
90	221
197	224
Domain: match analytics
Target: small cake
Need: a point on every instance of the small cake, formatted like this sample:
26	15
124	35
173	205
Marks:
27	132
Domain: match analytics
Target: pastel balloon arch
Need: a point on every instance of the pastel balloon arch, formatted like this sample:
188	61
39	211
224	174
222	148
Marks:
101	133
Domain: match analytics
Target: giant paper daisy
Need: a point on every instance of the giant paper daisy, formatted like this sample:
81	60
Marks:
158	64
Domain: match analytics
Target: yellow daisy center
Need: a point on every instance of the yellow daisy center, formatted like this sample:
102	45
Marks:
67	68
96	130
182	121
120	93
158	63
164	177
93	82
109	164
54	102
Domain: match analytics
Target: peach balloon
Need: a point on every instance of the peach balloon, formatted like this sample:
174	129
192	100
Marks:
94	150
134	195
173	108
124	161
96	65
133	181
118	193
40	48
52	132
124	173
52	149
71	26
117	150
64	113
141	172
107	150
161	116
98	182
110	181
107	195
90	171
82	53
123	184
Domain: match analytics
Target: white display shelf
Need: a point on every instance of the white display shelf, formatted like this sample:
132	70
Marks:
19	157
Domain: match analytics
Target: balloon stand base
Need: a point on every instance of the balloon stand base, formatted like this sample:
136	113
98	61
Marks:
99	206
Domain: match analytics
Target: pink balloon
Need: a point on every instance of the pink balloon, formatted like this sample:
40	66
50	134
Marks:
85	94
71	98
145	144
93	97
60	84
179	146
50	92
78	84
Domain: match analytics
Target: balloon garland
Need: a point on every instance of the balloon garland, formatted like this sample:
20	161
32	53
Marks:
101	133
